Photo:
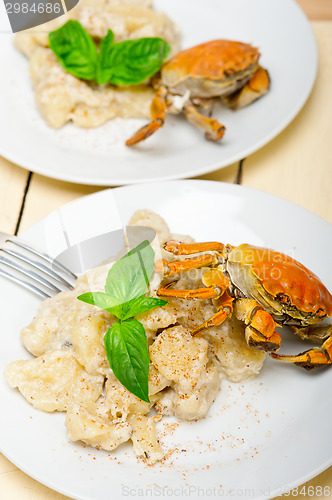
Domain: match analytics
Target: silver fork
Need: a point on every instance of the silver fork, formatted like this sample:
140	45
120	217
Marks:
46	276
32	268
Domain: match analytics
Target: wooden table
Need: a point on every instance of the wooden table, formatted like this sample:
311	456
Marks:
296	166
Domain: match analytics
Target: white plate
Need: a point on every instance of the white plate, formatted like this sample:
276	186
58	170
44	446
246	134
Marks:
260	438
99	156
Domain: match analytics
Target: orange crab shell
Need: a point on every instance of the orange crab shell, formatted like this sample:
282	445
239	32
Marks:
213	60
281	274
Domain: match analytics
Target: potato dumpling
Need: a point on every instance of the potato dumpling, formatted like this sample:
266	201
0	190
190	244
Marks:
121	402
52	327
160	317
54	381
144	438
179	356
84	424
157	382
195	403
87	338
237	361
151	219
183	359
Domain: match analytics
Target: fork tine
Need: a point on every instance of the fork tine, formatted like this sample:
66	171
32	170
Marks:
42	255
25	284
42	275
39	266
30	274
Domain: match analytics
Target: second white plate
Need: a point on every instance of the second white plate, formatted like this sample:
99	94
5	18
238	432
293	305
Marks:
99	156
260	438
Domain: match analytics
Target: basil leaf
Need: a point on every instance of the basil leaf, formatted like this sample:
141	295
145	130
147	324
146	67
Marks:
129	277
75	50
132	61
103	70
127	353
141	305
102	300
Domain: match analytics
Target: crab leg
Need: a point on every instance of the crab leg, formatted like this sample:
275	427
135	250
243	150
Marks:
214	131
211	292
169	268
224	305
257	86
158	115
312	358
315	333
260	330
215	285
178	248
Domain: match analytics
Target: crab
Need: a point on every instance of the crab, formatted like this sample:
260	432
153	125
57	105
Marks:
264	288
197	77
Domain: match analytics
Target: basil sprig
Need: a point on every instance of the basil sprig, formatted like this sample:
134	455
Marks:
125	63
125	342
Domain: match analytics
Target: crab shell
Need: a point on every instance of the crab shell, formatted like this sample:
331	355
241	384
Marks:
212	69
283	286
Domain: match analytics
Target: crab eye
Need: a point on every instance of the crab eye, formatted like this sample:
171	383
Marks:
282	297
320	312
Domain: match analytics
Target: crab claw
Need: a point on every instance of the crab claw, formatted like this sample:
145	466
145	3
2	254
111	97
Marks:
158	116
258	340
214	130
313	358
145	132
